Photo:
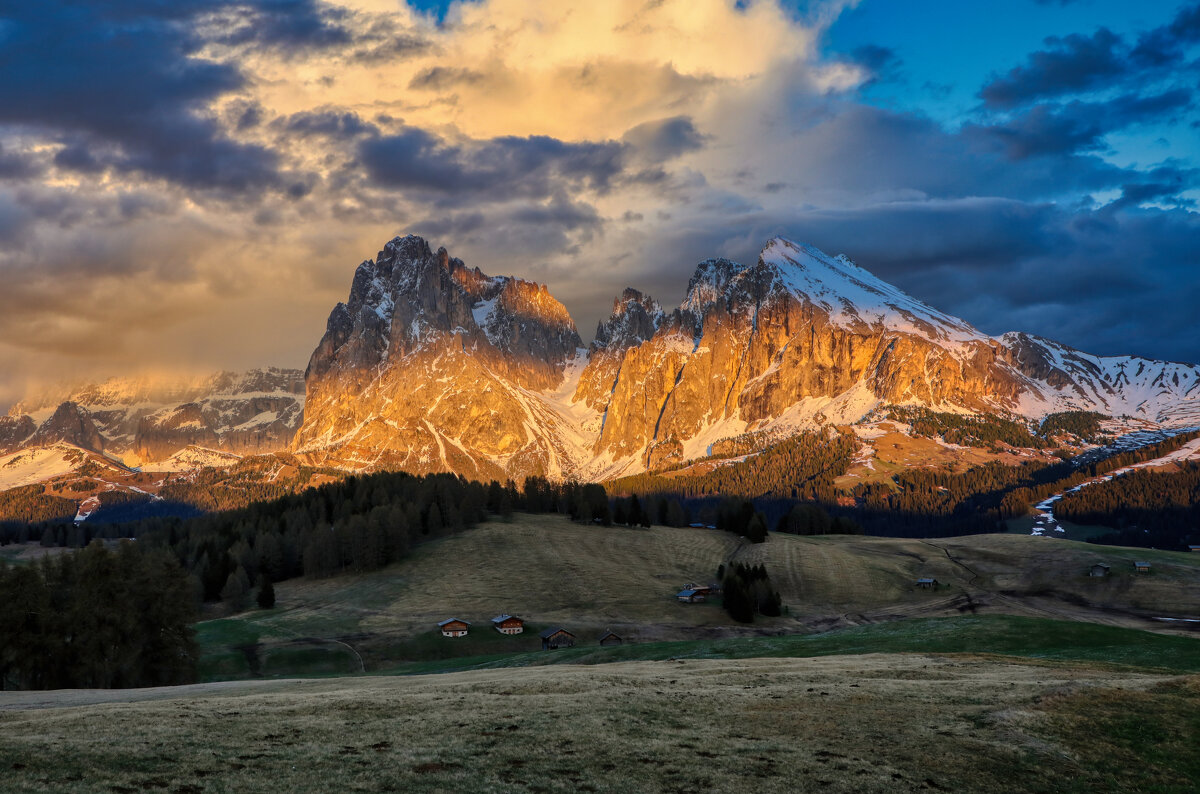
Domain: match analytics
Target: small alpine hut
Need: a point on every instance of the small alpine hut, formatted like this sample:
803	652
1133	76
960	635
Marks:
453	627
1141	567
1193	548
690	595
609	638
1099	569
557	638
508	624
927	583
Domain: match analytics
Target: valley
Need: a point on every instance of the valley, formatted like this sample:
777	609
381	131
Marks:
591	579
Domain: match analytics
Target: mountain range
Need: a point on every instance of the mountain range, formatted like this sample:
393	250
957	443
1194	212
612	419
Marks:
431	365
148	420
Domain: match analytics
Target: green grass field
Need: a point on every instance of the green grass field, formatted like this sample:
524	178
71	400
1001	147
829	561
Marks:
862	723
1019	674
589	579
1002	635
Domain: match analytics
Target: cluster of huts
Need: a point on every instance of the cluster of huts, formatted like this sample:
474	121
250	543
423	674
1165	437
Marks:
693	593
1103	569
1097	569
552	638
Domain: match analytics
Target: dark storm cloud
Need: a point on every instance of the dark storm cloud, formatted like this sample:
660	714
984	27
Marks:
330	123
1152	190
291	26
117	79
1081	126
524	230
664	139
440	78
862	151
1069	65
497	168
881	63
1164	45
14	165
1080	63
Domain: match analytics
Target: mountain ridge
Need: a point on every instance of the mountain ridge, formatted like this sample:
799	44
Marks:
431	365
147	419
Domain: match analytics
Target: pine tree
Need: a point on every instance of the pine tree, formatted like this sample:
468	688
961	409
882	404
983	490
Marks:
266	593
235	590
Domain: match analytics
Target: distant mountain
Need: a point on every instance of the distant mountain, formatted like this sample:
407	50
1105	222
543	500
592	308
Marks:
434	366
144	420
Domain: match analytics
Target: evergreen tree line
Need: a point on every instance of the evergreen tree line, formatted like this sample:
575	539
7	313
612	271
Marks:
803	467
1082	424
354	525
746	591
97	618
1149	509
985	430
741	518
812	519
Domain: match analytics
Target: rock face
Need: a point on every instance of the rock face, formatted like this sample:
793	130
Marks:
433	366
147	420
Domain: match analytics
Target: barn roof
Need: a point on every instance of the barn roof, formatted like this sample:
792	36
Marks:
548	633
454	620
502	618
685	593
1140	564
1100	565
926	580
610	633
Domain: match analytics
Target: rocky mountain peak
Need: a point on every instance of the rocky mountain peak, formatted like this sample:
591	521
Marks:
410	297
72	424
710	284
635	318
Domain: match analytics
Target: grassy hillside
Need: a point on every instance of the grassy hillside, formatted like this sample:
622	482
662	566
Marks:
589	578
876	723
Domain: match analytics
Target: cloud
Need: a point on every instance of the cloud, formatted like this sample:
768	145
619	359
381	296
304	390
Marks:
1070	64
536	166
1082	126
196	180
665	139
121	81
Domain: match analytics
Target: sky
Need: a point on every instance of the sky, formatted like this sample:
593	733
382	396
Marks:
188	185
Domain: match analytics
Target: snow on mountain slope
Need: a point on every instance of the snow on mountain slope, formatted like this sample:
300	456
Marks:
146	419
1164	392
434	366
39	464
193	457
855	298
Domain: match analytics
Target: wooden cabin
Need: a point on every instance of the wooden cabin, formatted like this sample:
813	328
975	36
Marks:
557	638
1099	569
453	627
1141	567
927	583
1193	548
690	596
608	639
508	624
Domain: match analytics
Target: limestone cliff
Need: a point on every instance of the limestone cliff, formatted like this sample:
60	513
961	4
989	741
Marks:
434	366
